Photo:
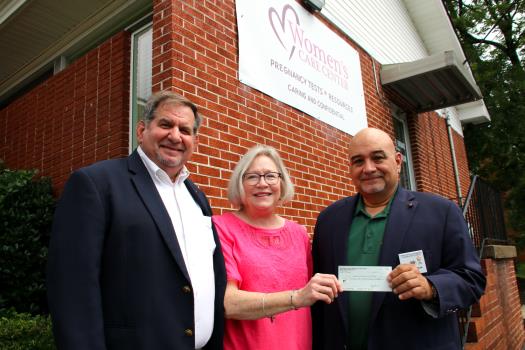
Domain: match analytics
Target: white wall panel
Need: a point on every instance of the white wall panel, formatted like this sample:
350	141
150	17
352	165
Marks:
382	27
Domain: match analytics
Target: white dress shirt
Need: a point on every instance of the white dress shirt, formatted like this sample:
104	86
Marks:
195	237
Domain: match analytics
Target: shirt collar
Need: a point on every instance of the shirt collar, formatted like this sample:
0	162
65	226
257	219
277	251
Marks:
157	173
360	207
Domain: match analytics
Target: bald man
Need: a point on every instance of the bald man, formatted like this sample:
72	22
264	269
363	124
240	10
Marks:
421	236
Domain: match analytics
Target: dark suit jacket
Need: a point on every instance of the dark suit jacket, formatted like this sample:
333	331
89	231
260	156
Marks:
116	275
417	221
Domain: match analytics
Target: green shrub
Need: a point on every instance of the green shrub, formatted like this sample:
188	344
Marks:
23	331
26	208
520	270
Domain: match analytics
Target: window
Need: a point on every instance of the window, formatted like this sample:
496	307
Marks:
141	60
403	146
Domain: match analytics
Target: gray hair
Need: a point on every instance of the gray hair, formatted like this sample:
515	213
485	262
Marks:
235	187
170	97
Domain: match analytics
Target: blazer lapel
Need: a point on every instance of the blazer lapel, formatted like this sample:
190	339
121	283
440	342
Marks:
340	249
149	194
199	199
401	213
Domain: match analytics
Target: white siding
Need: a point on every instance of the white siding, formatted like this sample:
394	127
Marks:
437	32
454	121
381	27
396	31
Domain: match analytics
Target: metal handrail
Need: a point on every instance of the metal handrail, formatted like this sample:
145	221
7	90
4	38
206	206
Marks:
494	206
469	195
465	208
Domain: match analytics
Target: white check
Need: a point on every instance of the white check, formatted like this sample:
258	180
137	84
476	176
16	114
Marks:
364	278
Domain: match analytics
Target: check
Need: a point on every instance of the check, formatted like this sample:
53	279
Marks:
364	278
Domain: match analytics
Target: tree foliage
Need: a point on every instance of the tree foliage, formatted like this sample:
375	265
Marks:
492	33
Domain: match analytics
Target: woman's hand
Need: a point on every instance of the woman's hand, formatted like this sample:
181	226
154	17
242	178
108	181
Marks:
323	287
244	305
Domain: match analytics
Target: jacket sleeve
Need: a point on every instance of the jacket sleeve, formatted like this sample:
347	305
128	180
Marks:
459	281
317	309
74	266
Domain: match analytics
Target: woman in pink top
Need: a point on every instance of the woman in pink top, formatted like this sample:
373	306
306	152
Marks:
268	261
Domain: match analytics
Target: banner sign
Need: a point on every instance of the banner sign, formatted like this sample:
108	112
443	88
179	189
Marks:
287	53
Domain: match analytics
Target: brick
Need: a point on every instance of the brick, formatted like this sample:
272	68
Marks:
84	116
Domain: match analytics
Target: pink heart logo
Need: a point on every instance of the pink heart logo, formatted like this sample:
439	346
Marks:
280	29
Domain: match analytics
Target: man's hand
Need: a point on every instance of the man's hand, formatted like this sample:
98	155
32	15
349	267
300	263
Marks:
407	282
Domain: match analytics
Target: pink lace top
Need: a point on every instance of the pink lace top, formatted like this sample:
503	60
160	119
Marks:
266	260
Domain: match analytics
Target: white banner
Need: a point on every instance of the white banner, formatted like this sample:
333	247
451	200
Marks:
290	55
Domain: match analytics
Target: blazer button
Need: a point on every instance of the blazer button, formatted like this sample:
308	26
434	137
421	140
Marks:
186	289
188	332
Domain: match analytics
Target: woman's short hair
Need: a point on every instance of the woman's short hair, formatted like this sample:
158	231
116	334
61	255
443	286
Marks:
156	99
235	187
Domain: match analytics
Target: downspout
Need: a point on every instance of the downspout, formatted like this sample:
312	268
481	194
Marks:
454	161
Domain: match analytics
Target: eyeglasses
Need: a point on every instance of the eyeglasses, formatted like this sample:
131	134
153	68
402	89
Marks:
270	178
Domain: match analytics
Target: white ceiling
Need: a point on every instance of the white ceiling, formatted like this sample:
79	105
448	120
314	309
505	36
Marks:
33	33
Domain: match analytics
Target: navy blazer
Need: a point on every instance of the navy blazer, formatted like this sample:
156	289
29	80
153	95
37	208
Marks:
417	221
116	275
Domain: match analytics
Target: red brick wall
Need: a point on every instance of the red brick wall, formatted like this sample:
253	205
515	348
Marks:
432	158
196	54
499	325
202	50
77	117
82	115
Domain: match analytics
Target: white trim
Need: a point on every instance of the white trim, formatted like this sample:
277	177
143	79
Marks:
140	23
7	10
134	35
474	112
401	117
60	64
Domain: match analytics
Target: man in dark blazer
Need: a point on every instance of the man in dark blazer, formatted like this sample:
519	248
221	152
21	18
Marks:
372	228
134	261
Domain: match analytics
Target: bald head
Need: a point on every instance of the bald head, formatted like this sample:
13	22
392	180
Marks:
374	165
375	137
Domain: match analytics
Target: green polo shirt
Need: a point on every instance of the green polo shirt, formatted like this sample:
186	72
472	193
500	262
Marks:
364	245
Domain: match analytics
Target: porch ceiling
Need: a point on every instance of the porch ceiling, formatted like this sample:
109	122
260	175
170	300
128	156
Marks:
431	83
33	33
